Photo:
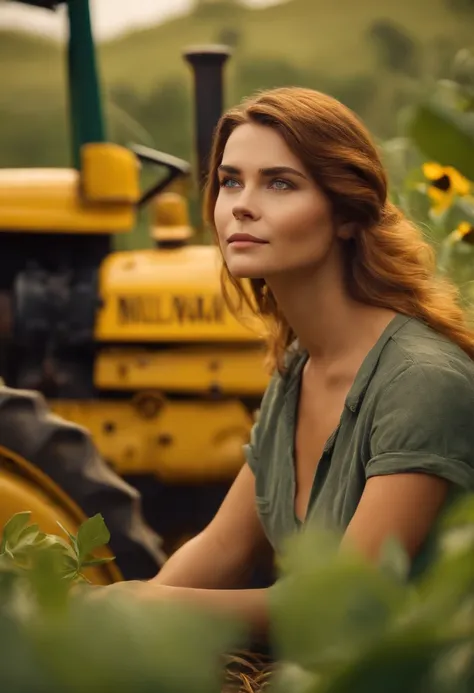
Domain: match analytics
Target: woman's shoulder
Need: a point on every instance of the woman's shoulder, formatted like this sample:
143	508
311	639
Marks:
420	413
423	355
426	381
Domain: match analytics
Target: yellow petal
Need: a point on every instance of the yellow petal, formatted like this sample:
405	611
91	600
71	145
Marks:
432	170
465	232
460	184
442	199
464	227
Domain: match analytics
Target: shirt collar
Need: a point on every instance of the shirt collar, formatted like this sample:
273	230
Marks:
365	372
371	361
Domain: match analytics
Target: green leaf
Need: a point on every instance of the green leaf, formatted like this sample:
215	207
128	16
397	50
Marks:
68	564
394	559
329	606
443	135
40	537
401	663
13	529
51	542
124	644
92	534
96	561
71	537
291	678
46	580
6	562
445	589
460	514
27	537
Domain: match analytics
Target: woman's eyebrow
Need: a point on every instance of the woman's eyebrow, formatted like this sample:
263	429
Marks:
267	172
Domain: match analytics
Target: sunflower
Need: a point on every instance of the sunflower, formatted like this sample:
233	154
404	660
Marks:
464	232
445	184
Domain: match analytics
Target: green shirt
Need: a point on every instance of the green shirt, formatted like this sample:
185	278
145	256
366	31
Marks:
410	409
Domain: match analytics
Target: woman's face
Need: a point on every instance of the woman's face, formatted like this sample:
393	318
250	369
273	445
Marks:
270	216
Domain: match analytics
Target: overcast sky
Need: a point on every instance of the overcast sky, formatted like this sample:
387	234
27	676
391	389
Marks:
110	17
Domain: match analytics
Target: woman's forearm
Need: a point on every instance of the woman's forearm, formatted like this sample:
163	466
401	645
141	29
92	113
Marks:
203	563
249	606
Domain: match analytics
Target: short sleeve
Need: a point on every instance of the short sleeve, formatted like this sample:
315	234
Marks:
424	422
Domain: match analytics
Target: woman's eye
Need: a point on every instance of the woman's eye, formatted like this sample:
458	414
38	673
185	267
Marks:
276	184
280	184
228	183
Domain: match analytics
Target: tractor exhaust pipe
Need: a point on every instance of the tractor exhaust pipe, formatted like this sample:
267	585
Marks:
207	63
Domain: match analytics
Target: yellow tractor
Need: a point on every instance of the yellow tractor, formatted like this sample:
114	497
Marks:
128	387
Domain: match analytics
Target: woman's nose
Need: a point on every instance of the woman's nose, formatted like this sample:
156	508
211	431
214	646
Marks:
244	212
240	213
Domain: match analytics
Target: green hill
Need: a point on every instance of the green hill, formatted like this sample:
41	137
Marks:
29	63
315	34
363	51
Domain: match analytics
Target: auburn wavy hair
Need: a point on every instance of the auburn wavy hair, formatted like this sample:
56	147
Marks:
389	263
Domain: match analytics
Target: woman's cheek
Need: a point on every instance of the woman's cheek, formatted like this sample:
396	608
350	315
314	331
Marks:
219	219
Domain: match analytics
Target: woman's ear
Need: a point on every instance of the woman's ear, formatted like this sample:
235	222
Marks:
346	230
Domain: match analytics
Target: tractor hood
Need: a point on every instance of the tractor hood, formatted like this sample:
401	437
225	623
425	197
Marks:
167	295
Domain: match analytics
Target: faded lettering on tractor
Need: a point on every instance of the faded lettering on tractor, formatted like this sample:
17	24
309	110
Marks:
160	310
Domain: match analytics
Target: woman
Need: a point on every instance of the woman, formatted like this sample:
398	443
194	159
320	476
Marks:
366	425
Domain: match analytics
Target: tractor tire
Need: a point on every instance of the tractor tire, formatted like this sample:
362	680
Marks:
66	453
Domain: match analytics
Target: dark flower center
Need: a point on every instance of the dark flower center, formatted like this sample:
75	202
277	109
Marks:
468	236
443	183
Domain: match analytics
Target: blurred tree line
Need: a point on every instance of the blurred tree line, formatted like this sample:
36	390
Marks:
35	133
377	95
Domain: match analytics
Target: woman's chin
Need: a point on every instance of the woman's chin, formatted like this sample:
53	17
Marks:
240	269
243	273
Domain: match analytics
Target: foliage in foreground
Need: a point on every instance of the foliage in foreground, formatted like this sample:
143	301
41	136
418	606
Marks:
24	544
54	639
338	624
348	628
431	167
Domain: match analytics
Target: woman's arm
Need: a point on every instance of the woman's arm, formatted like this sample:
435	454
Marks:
206	569
224	554
248	605
404	506
401	505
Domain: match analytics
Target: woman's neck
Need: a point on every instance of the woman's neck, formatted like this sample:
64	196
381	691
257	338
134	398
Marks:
327	321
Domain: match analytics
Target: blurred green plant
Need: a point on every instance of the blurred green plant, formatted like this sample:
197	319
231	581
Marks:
340	624
57	640
23	545
347	627
396	49
431	169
